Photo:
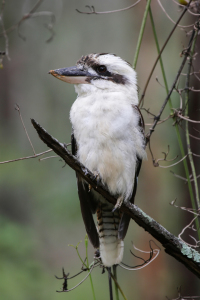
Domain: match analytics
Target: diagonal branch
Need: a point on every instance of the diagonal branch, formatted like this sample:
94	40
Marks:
172	245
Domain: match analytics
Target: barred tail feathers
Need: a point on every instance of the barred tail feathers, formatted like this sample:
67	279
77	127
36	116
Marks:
111	247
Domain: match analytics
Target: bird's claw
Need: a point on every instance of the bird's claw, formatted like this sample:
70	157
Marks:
118	204
97	177
90	188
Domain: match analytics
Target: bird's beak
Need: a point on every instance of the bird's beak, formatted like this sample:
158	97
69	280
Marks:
71	75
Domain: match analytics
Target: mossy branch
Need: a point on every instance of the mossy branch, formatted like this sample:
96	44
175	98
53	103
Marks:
172	245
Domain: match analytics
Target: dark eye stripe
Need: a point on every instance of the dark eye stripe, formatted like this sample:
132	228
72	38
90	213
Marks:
116	78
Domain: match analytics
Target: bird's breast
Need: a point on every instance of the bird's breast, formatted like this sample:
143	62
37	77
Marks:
104	132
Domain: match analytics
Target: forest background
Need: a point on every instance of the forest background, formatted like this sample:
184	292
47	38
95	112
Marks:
39	207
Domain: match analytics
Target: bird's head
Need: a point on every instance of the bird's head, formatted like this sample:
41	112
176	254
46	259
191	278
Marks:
102	71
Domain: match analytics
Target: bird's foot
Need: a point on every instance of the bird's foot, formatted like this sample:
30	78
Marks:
97	177
118	203
90	188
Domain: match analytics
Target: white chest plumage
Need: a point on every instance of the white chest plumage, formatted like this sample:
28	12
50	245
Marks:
108	138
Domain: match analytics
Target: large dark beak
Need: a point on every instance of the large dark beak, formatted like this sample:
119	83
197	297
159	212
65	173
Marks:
71	75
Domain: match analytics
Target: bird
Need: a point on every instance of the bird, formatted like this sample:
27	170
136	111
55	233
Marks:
107	138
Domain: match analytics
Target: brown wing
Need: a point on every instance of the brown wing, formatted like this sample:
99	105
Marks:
125	220
87	202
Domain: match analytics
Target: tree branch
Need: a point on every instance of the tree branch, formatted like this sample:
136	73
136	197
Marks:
172	245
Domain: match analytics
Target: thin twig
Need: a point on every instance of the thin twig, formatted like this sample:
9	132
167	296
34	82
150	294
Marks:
191	6
29	15
183	230
186	54
53	156
79	282
39	14
182	26
184	118
93	11
163	47
18	109
190	210
91	282
13	27
146	262
118	286
183	178
196	202
160	122
26	157
165	167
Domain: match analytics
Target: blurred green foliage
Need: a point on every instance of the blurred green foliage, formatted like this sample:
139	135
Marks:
22	275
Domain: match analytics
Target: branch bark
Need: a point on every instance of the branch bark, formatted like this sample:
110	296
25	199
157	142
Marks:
172	245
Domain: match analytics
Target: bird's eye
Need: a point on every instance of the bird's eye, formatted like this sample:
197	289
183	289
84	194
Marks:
101	69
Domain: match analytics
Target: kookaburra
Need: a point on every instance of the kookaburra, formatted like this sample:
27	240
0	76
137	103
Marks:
108	138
